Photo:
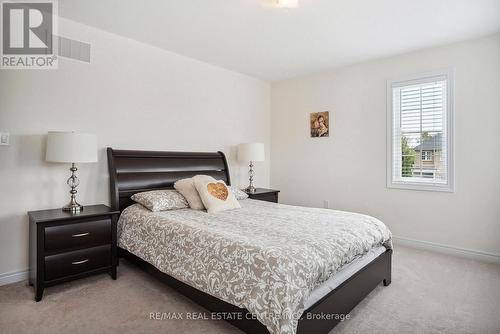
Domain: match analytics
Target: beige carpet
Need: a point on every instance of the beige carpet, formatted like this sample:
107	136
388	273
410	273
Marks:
430	293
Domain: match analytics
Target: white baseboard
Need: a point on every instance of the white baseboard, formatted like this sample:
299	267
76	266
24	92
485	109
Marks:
13	277
450	250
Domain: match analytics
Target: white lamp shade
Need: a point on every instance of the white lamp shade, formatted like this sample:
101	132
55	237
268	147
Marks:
251	152
71	147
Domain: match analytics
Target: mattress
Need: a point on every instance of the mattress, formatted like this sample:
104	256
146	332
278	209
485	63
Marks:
269	258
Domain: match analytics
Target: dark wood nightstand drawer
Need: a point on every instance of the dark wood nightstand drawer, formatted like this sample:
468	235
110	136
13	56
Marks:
268	198
263	194
89	233
76	262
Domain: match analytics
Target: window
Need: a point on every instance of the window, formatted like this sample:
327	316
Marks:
419	138
426	155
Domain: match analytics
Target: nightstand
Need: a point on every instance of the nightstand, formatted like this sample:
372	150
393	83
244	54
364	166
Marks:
66	246
262	194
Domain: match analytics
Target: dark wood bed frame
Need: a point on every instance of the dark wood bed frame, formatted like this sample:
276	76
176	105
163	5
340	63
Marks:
136	171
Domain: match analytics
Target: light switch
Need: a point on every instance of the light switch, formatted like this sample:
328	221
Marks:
4	138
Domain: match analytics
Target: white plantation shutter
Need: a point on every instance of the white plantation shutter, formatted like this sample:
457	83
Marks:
419	133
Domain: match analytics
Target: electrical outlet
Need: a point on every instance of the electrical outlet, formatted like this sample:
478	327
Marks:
326	204
4	138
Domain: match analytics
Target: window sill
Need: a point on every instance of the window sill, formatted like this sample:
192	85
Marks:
421	186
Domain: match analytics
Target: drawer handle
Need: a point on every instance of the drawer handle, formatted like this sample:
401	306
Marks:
80	235
80	262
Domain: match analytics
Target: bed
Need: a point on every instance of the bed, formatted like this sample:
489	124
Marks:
262	259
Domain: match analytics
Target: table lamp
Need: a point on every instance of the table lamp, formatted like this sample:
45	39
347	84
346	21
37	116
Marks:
71	147
251	152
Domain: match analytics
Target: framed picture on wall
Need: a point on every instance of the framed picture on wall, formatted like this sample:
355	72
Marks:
320	124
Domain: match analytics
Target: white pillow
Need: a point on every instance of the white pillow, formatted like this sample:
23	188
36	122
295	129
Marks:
187	189
216	196
239	194
161	200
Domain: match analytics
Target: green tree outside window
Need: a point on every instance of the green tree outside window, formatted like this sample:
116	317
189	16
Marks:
408	158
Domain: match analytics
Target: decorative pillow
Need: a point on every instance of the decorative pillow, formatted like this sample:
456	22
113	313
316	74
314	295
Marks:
239	194
216	196
187	189
161	200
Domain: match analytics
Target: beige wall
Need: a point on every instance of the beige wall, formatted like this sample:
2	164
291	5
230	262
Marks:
133	96
348	169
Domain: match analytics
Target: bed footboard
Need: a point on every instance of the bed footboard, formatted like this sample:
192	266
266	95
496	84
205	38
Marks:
335	307
319	318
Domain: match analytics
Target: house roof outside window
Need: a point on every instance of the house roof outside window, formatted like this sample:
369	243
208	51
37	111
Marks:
430	143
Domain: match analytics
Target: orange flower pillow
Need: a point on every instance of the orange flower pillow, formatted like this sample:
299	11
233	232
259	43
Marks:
215	195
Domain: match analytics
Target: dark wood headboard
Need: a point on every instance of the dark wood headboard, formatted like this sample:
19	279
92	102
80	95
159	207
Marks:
131	172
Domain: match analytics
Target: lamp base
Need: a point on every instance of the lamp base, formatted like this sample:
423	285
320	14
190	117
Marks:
250	189
73	182
73	207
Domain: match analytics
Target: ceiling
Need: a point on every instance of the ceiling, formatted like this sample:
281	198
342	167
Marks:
251	37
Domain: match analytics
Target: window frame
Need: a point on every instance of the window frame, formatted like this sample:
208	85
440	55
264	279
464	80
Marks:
414	184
